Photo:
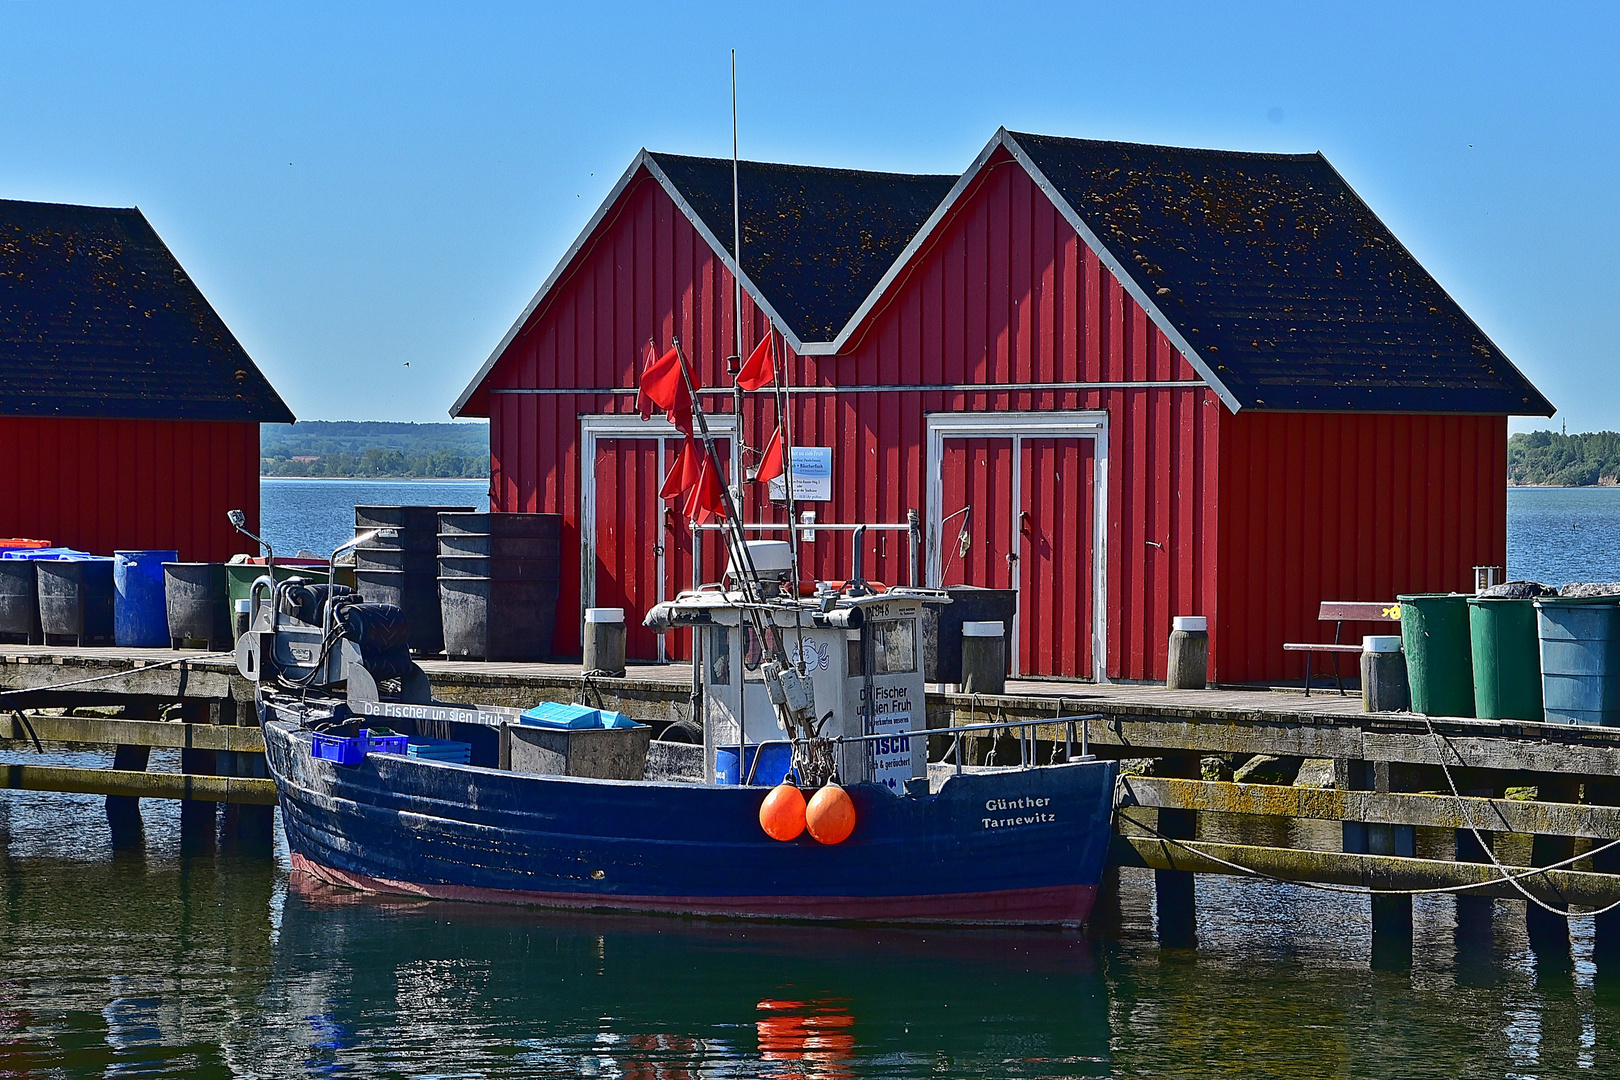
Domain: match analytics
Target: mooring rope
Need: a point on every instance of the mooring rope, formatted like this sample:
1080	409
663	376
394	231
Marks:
1366	890
1504	873
1441	746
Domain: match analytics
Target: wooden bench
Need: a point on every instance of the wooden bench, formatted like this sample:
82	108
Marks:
1340	612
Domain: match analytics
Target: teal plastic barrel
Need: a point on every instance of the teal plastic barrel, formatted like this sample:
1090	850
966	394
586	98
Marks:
1439	653
1507	659
1580	659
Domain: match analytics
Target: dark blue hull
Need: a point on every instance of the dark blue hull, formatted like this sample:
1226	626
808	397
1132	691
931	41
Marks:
1020	846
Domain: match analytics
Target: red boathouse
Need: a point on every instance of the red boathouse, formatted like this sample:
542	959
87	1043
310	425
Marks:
129	413
1145	381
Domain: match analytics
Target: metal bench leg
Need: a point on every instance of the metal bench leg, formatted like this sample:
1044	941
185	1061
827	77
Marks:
1338	675
1308	655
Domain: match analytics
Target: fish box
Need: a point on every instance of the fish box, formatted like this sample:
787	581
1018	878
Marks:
616	753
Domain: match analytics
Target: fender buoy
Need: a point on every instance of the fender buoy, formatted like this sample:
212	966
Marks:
830	817
781	815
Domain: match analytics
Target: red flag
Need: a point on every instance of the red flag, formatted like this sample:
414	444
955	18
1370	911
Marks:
707	500
662	385
770	464
684	473
761	366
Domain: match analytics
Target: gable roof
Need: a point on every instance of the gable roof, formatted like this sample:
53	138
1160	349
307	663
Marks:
97	319
1280	287
816	241
1276	275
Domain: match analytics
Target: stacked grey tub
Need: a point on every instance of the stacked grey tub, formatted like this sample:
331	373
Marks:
499	579
403	569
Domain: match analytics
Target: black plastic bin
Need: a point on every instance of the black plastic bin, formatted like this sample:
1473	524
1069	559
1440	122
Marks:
403	569
198	604
19	601
499	580
942	627
76	599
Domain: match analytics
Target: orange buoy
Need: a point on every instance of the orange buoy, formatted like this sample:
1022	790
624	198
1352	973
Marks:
830	817
781	815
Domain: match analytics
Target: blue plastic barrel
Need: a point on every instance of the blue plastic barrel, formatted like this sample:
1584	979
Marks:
775	759
1580	659
140	612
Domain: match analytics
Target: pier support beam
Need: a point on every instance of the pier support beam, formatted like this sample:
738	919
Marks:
1606	934
124	811
199	821
1173	889
1549	932
1474	936
1391	915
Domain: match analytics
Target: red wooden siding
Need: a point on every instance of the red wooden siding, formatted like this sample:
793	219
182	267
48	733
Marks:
100	485
1346	507
1005	292
1249	519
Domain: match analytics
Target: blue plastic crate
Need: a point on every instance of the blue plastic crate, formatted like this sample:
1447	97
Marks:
554	714
385	744
338	749
447	750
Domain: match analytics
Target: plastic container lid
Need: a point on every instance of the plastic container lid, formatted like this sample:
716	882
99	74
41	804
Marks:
1190	622
983	629
604	614
1381	643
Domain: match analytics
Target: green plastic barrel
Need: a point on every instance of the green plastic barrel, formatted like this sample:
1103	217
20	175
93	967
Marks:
1507	659
239	577
1439	653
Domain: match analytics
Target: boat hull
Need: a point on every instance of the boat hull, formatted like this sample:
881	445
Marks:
1018	847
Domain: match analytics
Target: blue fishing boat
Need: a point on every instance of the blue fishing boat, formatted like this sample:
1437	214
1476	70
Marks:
794	690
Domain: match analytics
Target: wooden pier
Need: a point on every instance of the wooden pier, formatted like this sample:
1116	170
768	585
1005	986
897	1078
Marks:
1401	803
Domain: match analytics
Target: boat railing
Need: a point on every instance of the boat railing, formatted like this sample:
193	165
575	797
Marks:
1026	737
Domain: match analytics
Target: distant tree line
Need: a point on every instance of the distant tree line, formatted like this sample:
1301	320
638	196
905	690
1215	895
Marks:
373	449
1547	458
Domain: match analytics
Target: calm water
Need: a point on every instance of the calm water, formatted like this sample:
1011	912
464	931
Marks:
160	963
318	515
1558	535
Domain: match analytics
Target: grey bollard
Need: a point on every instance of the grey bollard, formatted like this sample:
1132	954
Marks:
243	617
1188	668
604	640
1383	675
984	658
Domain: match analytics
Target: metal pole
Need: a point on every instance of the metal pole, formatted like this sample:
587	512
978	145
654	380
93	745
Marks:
736	253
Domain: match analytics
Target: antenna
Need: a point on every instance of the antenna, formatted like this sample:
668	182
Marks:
736	255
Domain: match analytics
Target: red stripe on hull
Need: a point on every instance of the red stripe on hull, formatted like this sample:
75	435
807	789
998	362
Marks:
1060	905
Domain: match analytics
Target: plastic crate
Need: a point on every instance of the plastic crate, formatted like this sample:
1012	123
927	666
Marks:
448	750
386	744
338	749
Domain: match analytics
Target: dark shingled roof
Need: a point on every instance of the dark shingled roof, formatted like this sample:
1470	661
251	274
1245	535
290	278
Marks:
815	241
1281	278
98	320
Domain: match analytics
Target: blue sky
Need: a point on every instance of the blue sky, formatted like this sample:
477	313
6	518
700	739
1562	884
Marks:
361	187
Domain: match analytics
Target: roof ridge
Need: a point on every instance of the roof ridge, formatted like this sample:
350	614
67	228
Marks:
1264	155
786	165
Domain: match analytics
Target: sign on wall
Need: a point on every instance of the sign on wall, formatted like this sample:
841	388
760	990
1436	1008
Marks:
812	475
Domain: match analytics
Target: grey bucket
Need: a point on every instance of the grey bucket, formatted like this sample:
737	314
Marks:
19	600
1580	660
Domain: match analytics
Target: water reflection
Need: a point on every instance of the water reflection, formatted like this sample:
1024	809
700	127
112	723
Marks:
392	984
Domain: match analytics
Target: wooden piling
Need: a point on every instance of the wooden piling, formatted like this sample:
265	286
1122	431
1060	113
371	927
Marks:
1173	890
1548	931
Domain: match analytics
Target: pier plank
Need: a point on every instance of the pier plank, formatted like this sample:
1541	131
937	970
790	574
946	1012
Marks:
1558	887
1388	808
226	789
95	731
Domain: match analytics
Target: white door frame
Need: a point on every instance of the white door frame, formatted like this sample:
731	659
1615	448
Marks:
595	426
1017	426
